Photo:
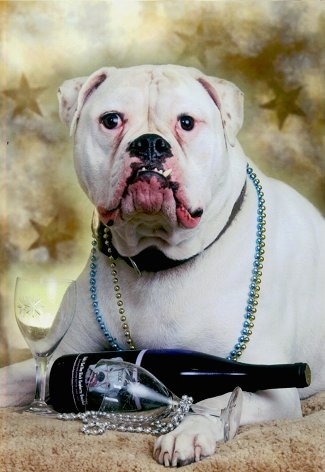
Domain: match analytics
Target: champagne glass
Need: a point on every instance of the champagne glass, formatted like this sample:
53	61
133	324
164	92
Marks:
126	397
43	315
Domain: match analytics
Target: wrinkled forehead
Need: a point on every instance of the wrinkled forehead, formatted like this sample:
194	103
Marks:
151	86
151	75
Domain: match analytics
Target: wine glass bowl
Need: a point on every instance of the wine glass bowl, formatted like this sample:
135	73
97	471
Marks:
43	316
126	397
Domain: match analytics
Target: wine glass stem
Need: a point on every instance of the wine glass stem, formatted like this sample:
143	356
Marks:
202	410
41	369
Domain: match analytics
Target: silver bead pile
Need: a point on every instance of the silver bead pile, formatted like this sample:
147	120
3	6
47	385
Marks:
161	422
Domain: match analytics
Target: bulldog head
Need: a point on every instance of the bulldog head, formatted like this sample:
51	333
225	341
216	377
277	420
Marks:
156	153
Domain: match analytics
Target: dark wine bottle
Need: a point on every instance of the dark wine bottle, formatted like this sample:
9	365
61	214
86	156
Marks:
183	372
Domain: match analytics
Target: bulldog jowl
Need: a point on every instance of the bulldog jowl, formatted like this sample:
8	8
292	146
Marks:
150	188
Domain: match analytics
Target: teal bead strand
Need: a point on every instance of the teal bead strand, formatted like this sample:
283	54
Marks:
94	299
255	282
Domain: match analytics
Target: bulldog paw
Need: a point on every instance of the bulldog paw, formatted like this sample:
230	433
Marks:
194	439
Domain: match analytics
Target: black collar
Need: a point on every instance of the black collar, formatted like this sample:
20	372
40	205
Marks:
152	259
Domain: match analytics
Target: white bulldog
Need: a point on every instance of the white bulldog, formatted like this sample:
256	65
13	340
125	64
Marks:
156	153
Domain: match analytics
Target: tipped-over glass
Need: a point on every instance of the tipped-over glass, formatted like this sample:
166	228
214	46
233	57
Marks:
125	397
43	316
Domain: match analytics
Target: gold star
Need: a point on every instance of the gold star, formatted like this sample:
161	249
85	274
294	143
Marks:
49	236
284	104
202	41
264	65
25	97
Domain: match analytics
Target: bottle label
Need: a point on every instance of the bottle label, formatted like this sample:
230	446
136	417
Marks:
78	382
88	377
104	382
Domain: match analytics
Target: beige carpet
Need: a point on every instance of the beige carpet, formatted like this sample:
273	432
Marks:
30	443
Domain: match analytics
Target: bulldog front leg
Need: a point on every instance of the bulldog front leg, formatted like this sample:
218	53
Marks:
17	384
194	439
197	436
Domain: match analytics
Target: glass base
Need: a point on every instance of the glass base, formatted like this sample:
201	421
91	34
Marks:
231	414
39	407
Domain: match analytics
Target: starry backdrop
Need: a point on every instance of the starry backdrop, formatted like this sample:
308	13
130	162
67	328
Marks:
273	50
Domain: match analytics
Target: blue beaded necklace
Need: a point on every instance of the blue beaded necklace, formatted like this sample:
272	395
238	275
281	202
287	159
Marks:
253	294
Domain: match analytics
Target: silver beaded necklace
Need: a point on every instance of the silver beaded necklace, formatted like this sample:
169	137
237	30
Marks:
97	422
253	293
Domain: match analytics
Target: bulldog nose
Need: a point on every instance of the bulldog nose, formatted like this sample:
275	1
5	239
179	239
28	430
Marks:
150	148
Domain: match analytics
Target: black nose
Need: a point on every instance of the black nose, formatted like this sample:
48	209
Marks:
151	148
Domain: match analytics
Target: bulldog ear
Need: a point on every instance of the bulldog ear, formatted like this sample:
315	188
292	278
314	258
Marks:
230	101
68	97
74	93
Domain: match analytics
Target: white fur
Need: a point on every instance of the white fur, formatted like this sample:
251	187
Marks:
198	305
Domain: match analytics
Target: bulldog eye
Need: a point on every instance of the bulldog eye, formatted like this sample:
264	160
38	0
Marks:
186	122
111	120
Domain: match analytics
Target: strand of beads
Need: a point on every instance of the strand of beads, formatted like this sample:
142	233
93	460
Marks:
255	282
94	299
96	422
120	305
117	290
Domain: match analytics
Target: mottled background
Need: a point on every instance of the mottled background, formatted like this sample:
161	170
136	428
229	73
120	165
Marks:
273	50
